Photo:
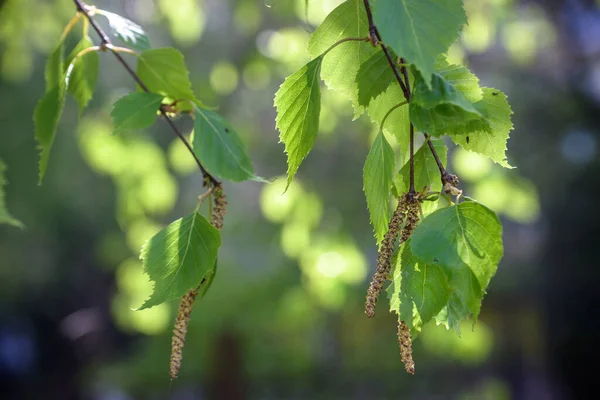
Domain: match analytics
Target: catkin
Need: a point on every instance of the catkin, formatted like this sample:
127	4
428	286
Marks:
406	347
384	256
180	330
187	301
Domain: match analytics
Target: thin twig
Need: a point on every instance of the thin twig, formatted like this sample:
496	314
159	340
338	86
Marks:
85	9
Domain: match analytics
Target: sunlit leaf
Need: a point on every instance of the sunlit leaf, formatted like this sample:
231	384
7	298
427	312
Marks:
341	64
398	122
220	148
135	111
82	73
178	257
298	103
419	30
490	143
377	182
373	78
427	173
129	32
5	217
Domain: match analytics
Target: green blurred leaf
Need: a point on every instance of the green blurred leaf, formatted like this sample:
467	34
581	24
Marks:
398	122
129	32
298	103
419	30
373	78
178	257
82	73
419	290
5	217
220	148
341	64
377	182
427	172
135	111
490	143
49	108
465	240
163	71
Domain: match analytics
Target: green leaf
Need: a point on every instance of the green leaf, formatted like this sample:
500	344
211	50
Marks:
461	78
298	103
377	178
82	73
129	32
373	78
5	217
419	30
163	71
220	148
443	109
49	108
342	63
135	111
419	290
490	143
465	240
398	122
178	257
427	172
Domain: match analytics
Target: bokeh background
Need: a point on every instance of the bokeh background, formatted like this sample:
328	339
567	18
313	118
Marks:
284	318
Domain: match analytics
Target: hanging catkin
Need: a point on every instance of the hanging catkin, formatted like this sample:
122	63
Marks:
187	301
406	347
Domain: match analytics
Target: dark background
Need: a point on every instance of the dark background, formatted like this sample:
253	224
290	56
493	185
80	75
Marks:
276	323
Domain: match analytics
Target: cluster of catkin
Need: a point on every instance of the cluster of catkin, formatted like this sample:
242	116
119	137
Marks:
187	301
401	226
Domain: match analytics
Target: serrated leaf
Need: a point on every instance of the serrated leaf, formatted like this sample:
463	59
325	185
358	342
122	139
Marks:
178	257
490	143
373	78
377	182
49	108
220	148
465	240
135	111
128	31
163	71
82	73
419	290
419	30
5	217
398	122
341	64
298	103
443	109
461	78
427	173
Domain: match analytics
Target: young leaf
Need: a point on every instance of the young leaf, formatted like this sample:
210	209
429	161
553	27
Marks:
129	32
373	78
398	122
82	73
465	240
443	109
377	182
461	78
49	108
5	217
298	103
427	173
163	71
220	148
135	111
420	30
419	290
341	64
490	143
179	256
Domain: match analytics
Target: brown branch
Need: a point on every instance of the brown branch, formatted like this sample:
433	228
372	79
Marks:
85	9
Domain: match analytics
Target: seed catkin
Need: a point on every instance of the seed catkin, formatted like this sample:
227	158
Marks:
219	209
180	330
406	347
384	256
